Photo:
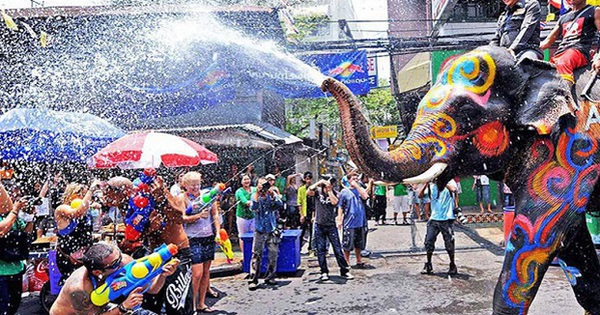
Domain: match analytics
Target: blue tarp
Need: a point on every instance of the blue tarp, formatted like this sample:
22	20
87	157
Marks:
41	135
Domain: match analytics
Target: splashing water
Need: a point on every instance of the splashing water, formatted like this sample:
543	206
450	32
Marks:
144	66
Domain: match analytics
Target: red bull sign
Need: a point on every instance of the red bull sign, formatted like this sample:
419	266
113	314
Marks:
350	68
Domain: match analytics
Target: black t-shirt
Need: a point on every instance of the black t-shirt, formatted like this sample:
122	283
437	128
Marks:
578	30
325	211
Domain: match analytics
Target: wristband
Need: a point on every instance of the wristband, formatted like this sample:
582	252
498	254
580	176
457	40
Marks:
124	310
15	213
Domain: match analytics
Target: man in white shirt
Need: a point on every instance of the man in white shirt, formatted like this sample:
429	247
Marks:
481	185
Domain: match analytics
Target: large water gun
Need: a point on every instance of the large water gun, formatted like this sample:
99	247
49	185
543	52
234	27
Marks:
225	245
141	206
138	273
206	198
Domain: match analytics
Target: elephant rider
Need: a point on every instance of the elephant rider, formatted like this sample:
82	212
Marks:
578	30
519	29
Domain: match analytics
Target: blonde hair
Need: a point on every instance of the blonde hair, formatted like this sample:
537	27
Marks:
73	191
190	176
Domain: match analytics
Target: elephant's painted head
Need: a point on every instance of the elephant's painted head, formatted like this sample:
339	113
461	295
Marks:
465	123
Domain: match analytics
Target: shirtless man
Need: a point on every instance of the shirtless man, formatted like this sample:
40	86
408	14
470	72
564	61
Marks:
117	191
177	292
100	261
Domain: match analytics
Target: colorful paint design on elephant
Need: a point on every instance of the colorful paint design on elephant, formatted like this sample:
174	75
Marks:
472	74
559	186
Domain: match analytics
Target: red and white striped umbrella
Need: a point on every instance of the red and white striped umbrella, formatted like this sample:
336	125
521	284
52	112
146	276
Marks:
150	149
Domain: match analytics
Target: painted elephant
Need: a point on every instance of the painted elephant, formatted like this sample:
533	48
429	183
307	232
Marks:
518	122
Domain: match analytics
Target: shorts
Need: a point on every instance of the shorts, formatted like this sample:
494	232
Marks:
244	226
203	249
355	238
401	204
483	194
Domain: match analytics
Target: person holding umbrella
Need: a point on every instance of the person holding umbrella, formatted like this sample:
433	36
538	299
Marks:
74	227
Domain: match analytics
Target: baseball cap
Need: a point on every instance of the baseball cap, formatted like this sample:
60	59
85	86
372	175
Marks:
270	176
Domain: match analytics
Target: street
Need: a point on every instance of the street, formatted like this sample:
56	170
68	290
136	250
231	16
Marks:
391	284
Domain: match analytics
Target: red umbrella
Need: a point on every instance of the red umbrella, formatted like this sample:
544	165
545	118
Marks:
150	149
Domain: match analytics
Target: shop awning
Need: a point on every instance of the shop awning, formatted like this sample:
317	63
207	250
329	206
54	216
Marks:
415	73
256	135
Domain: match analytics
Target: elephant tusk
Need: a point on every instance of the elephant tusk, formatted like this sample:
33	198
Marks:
434	171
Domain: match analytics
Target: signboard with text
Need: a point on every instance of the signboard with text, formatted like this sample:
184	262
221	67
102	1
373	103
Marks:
372	72
383	132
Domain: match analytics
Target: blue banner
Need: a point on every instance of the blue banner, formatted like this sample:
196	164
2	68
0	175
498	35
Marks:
349	68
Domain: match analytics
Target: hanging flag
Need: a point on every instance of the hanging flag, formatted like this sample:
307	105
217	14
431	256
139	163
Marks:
29	30
43	39
563	8
9	21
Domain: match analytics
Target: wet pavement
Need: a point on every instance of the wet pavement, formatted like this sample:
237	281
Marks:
392	283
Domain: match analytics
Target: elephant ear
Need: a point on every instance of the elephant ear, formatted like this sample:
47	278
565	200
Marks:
546	97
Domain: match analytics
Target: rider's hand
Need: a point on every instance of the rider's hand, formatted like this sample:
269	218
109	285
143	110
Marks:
596	63
134	299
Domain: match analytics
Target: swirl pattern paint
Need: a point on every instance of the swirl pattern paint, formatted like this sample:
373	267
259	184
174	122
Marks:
561	186
435	132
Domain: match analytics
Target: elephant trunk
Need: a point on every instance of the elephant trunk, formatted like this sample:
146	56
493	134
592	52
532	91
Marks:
369	158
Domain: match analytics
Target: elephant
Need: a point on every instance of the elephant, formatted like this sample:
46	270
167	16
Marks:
516	121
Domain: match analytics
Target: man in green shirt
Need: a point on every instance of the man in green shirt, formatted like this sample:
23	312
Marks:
400	203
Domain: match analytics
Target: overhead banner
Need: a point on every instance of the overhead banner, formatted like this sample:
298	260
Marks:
349	68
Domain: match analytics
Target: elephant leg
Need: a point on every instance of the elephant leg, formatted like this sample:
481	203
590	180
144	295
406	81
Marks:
580	262
526	261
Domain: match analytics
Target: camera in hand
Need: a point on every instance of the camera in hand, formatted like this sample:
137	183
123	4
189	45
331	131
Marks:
460	216
265	187
31	203
330	178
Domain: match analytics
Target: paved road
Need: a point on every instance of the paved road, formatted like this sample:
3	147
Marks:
392	285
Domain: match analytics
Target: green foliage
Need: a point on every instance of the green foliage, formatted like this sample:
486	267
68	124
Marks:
308	25
378	106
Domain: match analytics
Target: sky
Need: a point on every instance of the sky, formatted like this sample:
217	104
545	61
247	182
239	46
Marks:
374	10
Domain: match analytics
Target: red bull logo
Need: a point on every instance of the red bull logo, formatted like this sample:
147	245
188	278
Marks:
212	78
346	69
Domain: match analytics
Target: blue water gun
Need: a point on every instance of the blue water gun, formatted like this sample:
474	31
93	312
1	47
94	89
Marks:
138	215
136	274
206	198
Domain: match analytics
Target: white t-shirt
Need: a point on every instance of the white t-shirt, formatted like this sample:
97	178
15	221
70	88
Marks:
484	180
44	208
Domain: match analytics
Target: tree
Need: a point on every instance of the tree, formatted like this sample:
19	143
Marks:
378	106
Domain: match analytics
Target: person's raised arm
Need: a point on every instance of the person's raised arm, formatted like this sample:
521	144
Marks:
7	223
332	197
552	37
361	191
44	189
68	212
241	197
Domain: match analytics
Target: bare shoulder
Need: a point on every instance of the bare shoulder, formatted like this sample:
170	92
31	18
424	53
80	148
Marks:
74	297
